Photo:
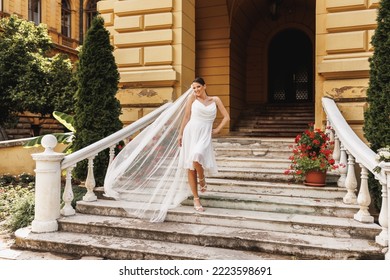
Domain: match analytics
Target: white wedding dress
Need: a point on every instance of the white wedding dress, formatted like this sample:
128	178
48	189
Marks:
149	176
197	143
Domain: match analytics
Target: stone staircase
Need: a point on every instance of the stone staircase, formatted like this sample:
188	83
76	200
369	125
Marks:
281	120
253	211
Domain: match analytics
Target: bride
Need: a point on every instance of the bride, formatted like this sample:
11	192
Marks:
151	173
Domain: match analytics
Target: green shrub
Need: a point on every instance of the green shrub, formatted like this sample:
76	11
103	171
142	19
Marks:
9	196
21	212
376	118
17	202
26	178
8	179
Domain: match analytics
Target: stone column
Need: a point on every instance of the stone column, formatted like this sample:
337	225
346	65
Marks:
47	187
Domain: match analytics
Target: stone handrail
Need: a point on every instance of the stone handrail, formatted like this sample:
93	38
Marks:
349	149
112	139
49	166
362	153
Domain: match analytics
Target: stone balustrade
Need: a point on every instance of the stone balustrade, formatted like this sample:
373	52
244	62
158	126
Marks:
349	150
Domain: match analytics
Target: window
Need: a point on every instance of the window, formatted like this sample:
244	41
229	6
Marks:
65	18
90	12
34	11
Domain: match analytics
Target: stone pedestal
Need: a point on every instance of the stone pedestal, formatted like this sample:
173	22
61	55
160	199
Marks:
47	187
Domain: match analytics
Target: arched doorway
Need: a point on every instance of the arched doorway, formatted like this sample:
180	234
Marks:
290	67
241	51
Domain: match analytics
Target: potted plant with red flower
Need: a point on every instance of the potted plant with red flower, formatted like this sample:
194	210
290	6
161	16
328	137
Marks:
311	156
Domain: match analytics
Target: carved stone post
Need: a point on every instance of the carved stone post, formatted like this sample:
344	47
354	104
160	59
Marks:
90	183
47	187
350	181
343	167
336	150
68	196
364	199
111	154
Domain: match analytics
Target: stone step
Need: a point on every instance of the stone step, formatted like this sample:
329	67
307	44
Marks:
252	211
249	133
310	205
302	125
302	118
280	108
276	111
124	248
315	224
276	129
234	152
242	140
277	222
249	146
231	239
252	162
250	152
278	204
274	118
238	187
246	173
273	188
282	120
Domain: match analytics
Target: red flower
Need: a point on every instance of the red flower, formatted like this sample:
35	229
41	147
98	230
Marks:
312	151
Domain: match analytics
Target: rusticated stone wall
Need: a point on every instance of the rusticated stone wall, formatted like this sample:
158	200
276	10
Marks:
154	49
344	31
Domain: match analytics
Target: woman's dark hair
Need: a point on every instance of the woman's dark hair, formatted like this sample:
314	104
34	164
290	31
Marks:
199	80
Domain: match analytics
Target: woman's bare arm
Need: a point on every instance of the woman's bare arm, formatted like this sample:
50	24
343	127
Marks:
186	117
225	115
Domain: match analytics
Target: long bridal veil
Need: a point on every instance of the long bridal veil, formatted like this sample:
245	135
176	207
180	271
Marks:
145	174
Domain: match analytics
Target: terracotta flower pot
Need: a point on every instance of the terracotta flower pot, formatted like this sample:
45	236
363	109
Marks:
315	178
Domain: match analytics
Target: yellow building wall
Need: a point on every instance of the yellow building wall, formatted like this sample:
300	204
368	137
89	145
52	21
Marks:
161	45
344	31
15	159
51	16
213	58
156	43
154	49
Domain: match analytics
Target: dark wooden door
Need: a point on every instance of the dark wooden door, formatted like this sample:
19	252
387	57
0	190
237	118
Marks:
290	68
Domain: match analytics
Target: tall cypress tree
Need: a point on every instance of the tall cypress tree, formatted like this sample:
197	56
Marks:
377	117
96	109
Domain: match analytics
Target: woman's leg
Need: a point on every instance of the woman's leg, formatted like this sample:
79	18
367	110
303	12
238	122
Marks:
192	180
200	171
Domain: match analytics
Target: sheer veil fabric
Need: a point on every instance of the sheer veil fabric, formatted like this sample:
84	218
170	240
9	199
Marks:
145	176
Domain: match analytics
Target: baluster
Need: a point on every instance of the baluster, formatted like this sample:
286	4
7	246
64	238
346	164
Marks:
336	150
342	169
68	196
350	181
111	154
364	199
329	131
90	182
383	237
